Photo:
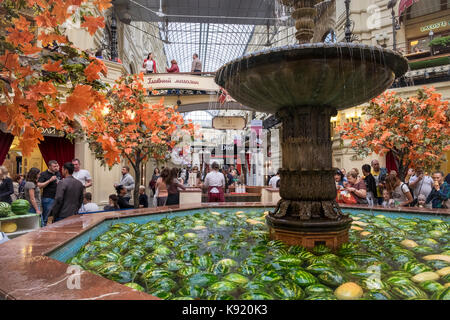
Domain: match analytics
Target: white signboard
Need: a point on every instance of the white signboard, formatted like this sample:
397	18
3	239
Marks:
180	81
228	123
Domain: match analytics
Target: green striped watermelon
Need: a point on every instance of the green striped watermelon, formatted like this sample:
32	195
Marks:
109	256
416	268
431	286
317	289
318	268
378	295
286	290
188	271
193	292
406	291
332	278
303	278
322	297
5	209
255	295
223	287
236	278
20	206
109	268
268	276
396	280
135	286
443	294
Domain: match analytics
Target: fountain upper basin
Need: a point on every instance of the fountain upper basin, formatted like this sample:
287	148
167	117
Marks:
338	75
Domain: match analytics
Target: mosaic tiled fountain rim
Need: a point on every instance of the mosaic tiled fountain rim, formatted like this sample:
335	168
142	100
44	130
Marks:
28	272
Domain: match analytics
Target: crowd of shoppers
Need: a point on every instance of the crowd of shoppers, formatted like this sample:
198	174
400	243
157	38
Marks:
378	187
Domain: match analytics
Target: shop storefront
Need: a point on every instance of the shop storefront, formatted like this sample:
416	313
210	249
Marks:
54	147
425	21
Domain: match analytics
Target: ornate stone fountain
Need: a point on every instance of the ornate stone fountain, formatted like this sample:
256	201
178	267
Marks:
305	85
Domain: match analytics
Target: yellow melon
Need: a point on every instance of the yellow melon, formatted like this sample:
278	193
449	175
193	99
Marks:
437	257
424	276
357	228
360	223
8	227
253	221
409	243
444	271
348	291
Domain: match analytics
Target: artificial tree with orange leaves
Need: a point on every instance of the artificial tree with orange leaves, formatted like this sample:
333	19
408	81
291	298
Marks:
44	80
415	129
130	128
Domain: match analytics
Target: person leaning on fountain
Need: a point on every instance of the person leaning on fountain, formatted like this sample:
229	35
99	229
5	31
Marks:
357	187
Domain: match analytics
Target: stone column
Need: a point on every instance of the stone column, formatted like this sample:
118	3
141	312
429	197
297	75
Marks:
307	186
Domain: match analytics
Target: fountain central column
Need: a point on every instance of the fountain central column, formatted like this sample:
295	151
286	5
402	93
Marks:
308	214
307	184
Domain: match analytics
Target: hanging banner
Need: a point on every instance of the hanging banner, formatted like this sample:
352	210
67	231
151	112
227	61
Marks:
405	4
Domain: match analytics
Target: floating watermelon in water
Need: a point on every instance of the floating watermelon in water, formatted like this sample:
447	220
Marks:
378	295
303	278
431	286
194	292
317	289
287	290
406	291
135	286
223	287
239	279
256	295
202	279
443	294
20	206
239	261
332	278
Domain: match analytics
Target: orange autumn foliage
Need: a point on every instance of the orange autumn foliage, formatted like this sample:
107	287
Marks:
93	23
129	128
36	63
416	129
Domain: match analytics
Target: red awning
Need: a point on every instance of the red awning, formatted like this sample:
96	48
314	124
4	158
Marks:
405	4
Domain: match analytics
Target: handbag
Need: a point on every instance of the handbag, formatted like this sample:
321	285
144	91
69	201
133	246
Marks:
349	199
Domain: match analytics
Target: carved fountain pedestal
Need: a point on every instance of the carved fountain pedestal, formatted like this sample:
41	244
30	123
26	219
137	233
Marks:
305	85
307	214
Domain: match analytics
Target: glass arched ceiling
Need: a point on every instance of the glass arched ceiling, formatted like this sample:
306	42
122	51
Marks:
216	44
203	118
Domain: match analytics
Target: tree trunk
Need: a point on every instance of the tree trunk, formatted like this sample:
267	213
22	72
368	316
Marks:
137	182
